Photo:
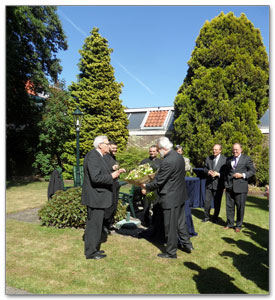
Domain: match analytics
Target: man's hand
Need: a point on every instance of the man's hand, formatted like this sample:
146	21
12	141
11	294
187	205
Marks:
238	175
115	167
117	173
143	191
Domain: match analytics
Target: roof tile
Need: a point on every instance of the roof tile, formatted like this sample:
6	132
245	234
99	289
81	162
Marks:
156	118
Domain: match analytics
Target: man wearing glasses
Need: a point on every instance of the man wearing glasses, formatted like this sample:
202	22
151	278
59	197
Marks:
97	195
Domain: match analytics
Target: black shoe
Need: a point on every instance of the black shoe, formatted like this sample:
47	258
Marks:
166	255
214	220
205	220
96	256
187	249
145	224
100	251
144	235
106	230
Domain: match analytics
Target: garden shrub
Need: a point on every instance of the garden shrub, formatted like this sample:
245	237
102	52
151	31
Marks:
131	158
261	161
64	209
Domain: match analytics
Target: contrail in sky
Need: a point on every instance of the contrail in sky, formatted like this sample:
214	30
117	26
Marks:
136	79
73	24
125	70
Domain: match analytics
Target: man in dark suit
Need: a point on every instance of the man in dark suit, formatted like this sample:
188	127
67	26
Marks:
110	212
239	169
154	162
171	187
97	195
215	171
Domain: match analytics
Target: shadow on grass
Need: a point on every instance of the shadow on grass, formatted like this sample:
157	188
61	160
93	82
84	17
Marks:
258	234
10	184
257	202
200	215
213	281
22	182
253	265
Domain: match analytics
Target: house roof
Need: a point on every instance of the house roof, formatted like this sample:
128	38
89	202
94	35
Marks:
160	120
156	118
150	120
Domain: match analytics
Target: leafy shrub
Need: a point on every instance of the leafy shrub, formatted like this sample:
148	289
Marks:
121	211
65	210
261	161
131	158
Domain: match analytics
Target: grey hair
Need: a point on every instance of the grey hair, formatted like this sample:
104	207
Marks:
99	140
165	143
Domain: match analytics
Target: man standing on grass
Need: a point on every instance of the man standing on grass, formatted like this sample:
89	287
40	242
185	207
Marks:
110	212
154	162
97	194
239	169
215	172
171	187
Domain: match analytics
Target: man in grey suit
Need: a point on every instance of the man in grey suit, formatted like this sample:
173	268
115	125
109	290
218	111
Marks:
215	171
171	187
97	195
239	169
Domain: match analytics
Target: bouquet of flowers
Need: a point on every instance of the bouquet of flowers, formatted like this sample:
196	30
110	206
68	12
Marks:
142	174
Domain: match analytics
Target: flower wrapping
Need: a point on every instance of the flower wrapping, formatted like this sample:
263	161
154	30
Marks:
140	175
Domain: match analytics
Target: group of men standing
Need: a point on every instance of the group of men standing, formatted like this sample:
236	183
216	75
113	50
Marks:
232	174
100	192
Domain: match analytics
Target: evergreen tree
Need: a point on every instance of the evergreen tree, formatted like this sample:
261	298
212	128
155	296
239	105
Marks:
33	37
97	95
225	92
53	131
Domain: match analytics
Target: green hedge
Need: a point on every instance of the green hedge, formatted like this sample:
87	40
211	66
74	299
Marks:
65	210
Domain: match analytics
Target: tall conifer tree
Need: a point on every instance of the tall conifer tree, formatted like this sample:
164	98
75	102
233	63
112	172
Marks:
97	95
225	92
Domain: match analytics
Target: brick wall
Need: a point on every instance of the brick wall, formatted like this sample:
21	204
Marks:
143	141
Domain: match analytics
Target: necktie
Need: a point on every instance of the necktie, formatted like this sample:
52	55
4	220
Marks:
214	162
235	163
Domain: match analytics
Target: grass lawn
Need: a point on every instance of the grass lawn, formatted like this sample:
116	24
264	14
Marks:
45	260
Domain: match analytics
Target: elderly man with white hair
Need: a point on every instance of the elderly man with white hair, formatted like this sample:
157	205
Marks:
97	193
171	187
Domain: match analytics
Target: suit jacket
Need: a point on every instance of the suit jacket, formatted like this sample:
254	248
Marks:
245	165
98	181
155	164
55	183
216	182
111	161
170	181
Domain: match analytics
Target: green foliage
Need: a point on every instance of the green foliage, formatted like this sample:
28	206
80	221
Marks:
225	92
121	211
261	161
33	37
65	210
131	158
97	95
54	132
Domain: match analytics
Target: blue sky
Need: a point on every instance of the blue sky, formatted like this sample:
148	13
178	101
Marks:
151	44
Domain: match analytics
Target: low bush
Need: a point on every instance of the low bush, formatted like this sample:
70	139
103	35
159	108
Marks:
65	210
261	161
131	158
